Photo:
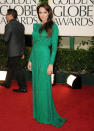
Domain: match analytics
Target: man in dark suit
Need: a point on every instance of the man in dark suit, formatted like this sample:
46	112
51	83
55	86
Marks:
15	40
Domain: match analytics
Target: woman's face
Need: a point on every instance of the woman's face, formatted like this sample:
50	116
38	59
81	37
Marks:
43	14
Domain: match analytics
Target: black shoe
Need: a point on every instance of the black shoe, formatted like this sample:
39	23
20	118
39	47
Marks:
20	90
5	85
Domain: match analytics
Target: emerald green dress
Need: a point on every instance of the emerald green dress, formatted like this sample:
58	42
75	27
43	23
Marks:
43	106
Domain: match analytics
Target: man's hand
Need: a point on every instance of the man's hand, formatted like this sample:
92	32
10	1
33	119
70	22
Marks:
22	57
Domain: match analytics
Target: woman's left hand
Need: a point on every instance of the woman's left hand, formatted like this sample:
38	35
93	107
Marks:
50	69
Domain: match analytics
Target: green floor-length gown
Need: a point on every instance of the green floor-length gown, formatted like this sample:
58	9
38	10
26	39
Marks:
43	107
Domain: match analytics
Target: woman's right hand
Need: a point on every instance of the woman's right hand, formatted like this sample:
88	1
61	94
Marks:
29	66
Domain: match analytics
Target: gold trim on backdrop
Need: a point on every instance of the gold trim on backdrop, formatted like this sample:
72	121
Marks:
64	35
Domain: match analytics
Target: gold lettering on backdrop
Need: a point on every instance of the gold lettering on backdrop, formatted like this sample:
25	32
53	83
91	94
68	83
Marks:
26	9
74	15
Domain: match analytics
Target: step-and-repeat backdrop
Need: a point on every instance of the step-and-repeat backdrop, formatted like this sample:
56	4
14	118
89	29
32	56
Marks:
73	17
26	13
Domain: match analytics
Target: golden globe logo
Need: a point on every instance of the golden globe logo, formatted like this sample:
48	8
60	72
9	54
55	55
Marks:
26	9
73	17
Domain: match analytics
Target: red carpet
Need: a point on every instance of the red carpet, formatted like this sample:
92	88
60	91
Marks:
75	105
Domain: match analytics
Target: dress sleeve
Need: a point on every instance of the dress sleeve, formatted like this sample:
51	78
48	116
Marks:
54	42
30	58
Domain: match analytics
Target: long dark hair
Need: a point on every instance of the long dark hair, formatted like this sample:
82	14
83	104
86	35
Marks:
48	25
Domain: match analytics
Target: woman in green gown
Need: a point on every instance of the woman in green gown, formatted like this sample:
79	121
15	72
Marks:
45	34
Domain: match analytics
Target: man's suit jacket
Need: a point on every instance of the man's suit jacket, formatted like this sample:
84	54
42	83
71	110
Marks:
14	38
